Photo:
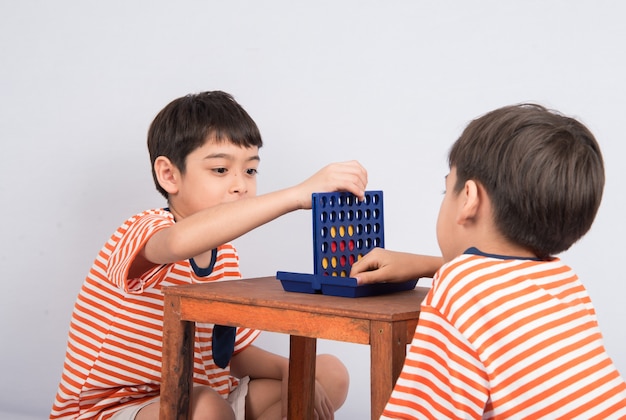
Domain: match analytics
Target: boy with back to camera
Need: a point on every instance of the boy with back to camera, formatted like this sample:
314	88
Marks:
204	154
507	330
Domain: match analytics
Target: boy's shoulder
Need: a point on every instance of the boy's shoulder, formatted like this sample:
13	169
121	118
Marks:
142	223
477	286
474	272
160	213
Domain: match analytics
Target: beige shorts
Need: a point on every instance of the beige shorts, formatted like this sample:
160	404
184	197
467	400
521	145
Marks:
236	399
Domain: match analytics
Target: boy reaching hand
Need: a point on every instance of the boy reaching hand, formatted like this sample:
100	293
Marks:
204	150
508	330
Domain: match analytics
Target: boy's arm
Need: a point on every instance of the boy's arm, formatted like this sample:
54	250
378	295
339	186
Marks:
382	265
222	223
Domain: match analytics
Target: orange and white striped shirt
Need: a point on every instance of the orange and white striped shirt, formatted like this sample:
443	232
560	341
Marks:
504	338
113	356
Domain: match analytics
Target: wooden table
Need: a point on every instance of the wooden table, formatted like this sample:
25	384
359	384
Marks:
385	322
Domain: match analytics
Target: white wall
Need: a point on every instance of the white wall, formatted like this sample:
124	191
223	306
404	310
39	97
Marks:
390	83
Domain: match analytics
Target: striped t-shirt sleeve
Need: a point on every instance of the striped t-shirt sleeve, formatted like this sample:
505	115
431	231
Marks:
442	377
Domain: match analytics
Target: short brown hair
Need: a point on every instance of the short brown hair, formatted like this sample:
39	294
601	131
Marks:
543	172
187	122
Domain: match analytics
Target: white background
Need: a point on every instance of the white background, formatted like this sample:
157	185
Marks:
390	83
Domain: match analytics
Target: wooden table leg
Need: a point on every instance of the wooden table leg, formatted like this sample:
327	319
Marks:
387	354
302	354
177	365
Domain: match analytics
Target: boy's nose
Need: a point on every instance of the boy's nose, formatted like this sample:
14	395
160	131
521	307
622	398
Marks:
239	185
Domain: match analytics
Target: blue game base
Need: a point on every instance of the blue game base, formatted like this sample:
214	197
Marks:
337	286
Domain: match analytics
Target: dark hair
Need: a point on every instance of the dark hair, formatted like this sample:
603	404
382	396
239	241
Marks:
188	122
543	172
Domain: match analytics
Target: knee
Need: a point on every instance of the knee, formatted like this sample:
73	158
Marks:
331	367
334	377
207	404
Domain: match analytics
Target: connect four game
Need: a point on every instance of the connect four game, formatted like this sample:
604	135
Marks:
344	230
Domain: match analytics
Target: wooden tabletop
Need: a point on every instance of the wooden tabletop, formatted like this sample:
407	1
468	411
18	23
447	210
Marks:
268	292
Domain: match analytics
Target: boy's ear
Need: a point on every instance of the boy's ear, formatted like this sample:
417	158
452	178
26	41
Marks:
167	174
470	202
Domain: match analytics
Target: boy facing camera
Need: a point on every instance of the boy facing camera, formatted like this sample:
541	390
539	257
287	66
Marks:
204	151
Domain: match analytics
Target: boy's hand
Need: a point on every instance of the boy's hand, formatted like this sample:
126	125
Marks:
343	176
322	407
382	265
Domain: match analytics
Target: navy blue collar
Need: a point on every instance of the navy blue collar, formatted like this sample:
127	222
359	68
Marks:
204	272
476	251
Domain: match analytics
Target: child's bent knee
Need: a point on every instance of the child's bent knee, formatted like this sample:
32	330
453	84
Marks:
333	375
329	365
209	405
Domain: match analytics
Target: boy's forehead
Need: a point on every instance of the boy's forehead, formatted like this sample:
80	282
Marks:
214	140
221	140
224	146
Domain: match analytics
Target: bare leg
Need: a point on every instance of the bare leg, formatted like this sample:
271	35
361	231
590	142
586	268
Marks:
207	404
334	378
264	395
264	399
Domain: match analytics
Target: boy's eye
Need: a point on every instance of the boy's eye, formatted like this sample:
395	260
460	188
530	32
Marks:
220	170
252	171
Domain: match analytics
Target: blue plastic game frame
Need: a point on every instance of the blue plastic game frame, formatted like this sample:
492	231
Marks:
344	230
